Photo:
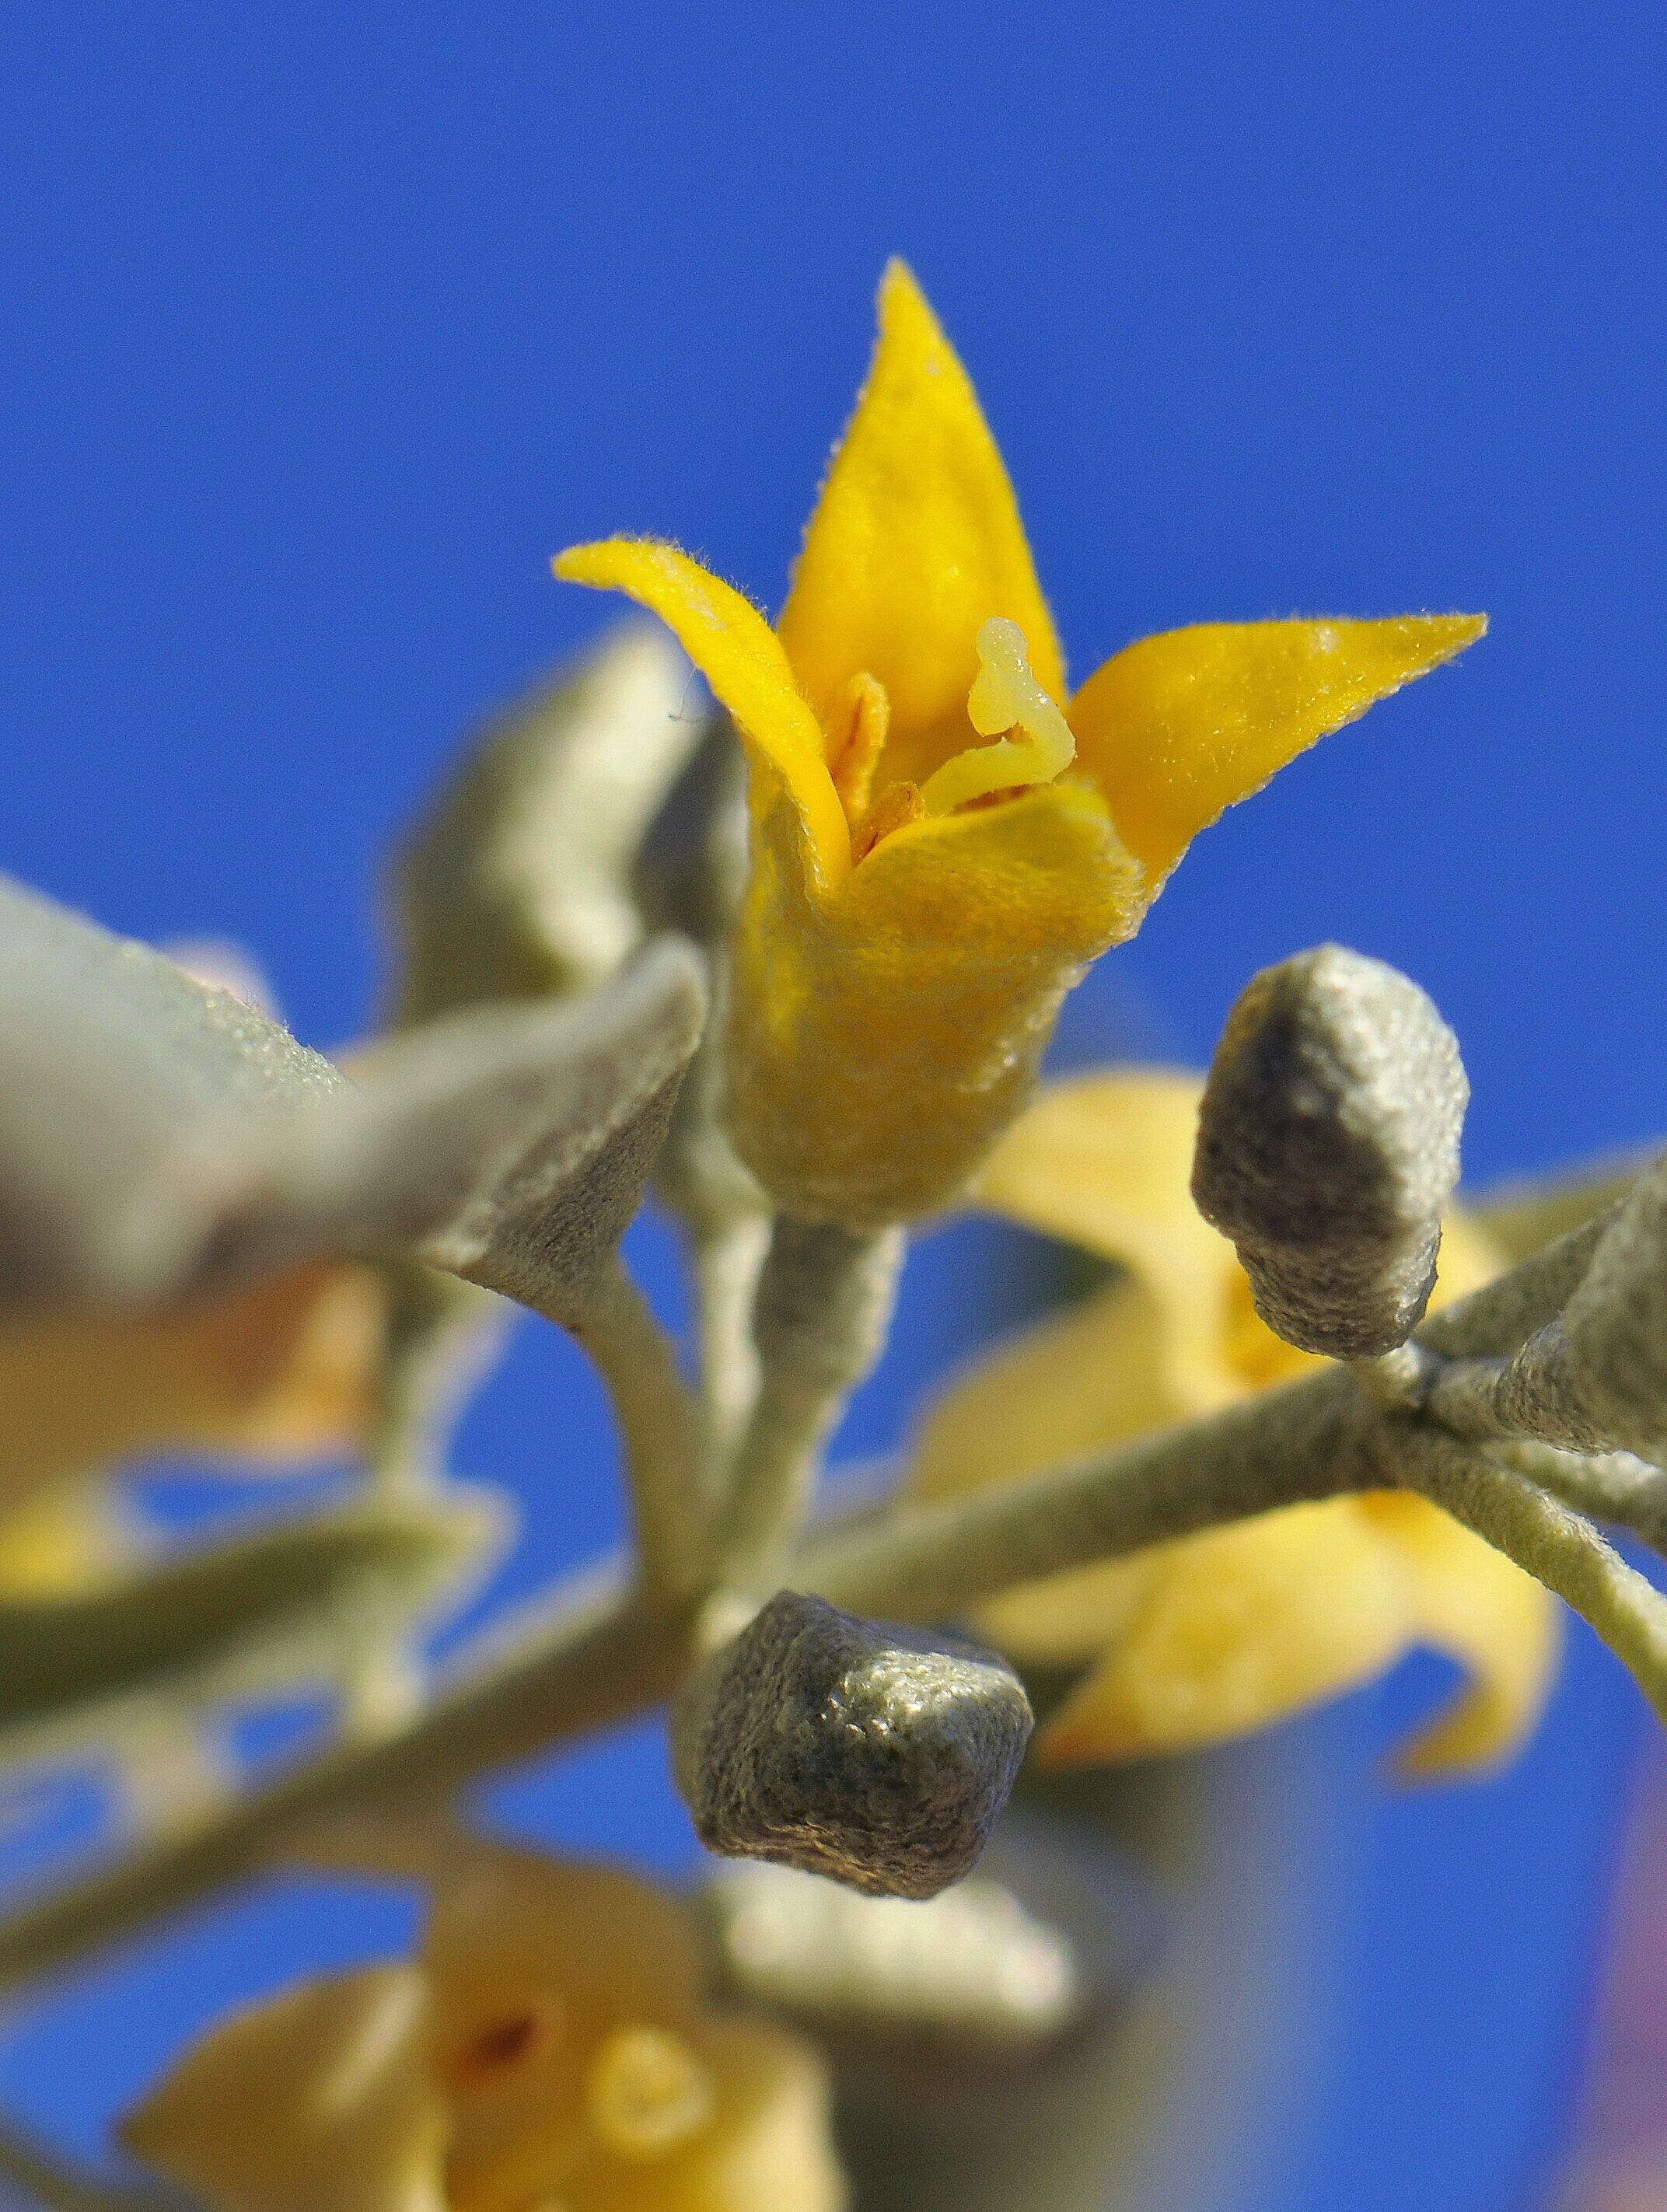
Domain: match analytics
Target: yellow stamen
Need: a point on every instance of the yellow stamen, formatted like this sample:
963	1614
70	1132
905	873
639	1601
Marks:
1005	697
897	805
853	755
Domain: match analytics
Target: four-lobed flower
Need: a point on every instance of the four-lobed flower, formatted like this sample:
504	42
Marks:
920	902
547	2050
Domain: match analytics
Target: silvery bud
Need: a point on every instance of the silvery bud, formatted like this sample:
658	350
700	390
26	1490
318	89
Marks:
857	1749
1328	1148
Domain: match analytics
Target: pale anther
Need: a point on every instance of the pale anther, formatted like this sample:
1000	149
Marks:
1005	696
646	2092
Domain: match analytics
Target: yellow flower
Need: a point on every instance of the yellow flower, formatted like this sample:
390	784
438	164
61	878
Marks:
920	902
1209	1635
546	2051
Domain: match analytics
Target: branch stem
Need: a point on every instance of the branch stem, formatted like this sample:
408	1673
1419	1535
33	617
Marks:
1510	1399
586	1659
1558	1547
727	1258
583	1662
659	1426
1305	1441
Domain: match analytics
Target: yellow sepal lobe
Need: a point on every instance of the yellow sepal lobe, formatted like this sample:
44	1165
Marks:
1177	728
915	542
741	658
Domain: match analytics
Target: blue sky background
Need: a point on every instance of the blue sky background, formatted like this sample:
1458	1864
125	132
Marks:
325	325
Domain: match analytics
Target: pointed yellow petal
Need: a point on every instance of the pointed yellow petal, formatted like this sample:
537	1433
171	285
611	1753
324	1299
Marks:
882	1038
1473	1603
1469	1258
1077	1382
279	1369
1520	1217
915	542
1178	727
735	649
1105	1160
317	2100
1068	1619
1236	1628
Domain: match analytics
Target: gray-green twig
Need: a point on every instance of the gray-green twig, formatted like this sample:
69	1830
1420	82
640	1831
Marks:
658	1421
824	1300
585	1660
1559	1547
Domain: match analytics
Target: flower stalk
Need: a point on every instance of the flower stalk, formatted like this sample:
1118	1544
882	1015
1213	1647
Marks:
1557	1546
821	1316
658	1422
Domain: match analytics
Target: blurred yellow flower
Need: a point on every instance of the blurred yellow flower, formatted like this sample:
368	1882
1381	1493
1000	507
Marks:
920	903
1209	1635
282	1369
66	1539
546	2051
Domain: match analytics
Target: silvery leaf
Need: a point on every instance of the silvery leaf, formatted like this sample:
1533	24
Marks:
157	1136
109	1051
508	1145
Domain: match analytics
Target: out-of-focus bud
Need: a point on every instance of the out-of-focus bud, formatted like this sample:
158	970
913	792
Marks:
972	1966
315	2101
517	883
852	1748
550	2046
1328	1148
